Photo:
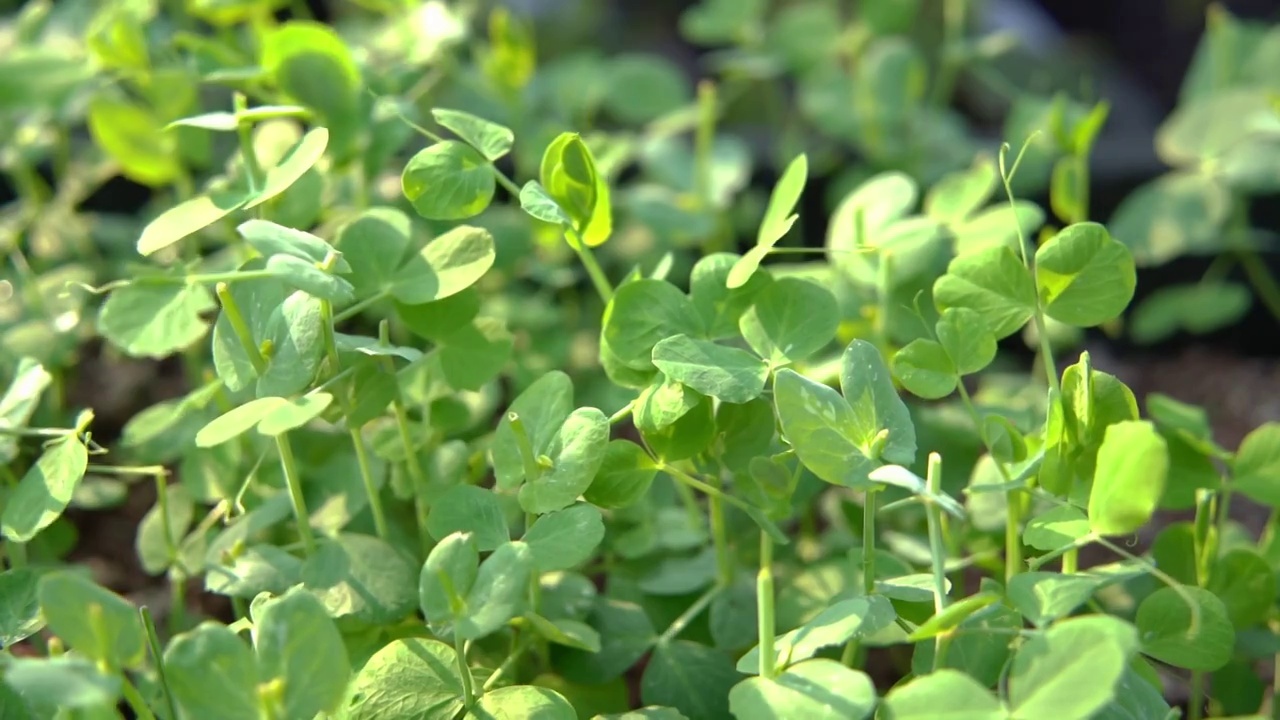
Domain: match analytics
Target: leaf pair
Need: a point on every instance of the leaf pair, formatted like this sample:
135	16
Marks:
571	192
475	598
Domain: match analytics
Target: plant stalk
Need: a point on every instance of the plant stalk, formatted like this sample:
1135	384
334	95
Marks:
464	672
869	542
765	613
720	537
157	652
294	482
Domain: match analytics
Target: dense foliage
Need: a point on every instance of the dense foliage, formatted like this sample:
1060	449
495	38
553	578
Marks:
507	394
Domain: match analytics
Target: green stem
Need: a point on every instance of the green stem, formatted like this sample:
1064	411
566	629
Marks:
420	501
157	652
690	614
764	616
869	543
1012	535
350	312
1046	352
706	489
135	701
526	641
244	131
1071	562
532	471
937	553
240	327
601	282
1261	279
1206	546
1195	704
953	17
720	537
162	499
464	672
294	483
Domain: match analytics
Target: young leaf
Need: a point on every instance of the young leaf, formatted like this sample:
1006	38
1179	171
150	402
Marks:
212	673
154	321
1072	668
29	381
720	307
868	389
132	136
296	332
1257	464
790	320
447	576
1245	583
522	701
258	569
564	538
663	403
960	194
92	620
64	684
992	282
538	203
625	476
271	239
300	158
776	222
313	66
1057	528
569	633
821	689
237	421
836	625
300	646
821	428
45	490
408	679
259	300
449	264
1044	597
963	334
469	509
499	593
448	181
375	244
302	275
1132	464
642	314
1186	627
151	543
363	578
186	218
924	368
576	453
626	634
542	409
491	139
1084	276
728	374
923	697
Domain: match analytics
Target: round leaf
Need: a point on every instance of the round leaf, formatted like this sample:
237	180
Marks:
362	577
408	679
522	702
469	509
448	181
1186	627
790	320
1084	276
992	282
1131	468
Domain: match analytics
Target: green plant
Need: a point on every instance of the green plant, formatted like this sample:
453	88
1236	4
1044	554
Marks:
506	436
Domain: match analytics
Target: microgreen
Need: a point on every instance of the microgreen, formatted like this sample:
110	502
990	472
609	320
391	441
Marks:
506	391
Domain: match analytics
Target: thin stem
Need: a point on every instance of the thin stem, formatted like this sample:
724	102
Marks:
501	177
135	701
623	413
1071	561
869	542
1195	704
157	652
601	282
710	490
348	313
690	614
937	553
412	462
525	642
464	672
532	471
720	538
764	616
953	16
244	131
1013	498
240	327
1261	279
294	482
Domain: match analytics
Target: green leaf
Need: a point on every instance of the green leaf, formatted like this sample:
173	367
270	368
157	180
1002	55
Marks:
293	414
518	702
662	403
992	282
155	321
408	679
642	314
436	320
29	381
375	244
576	453
296	332
692	678
45	490
68	682
212	673
237	421
1132	464
1044	597
777	220
499	593
362	577
1084	276
151	544
837	624
1245	583
491	139
624	478
1198	308
953	616
449	180
295	164
186	218
311	64
299	645
1186	627
565	538
821	689
258	569
538	203
476	353
859	230
720	307
469	509
728	374
1071	669
20	616
542	409
869	390
92	620
1057	528
449	264
642	87
821	428
790	320
963	334
1257	464
943	695
134	137
569	633
924	368
1176	214
305	276
568	174
271	239
447	576
626	634
958	195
